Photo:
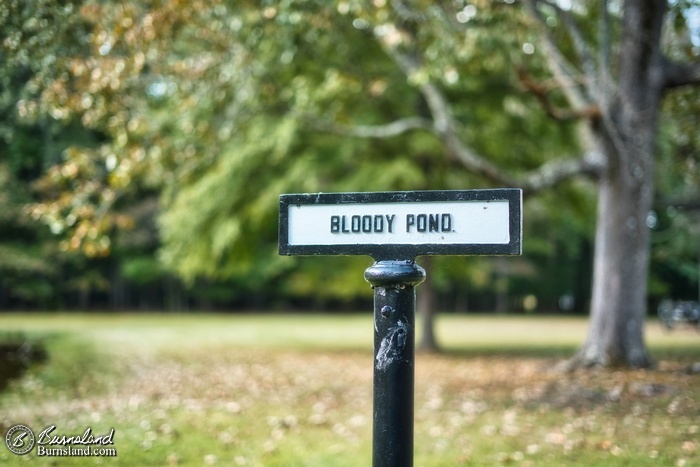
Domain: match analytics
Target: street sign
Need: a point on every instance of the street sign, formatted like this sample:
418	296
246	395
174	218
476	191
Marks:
400	225
394	228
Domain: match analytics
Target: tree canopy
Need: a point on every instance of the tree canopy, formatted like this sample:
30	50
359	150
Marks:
217	107
226	107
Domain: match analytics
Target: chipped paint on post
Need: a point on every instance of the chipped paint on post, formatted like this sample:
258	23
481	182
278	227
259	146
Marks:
393	346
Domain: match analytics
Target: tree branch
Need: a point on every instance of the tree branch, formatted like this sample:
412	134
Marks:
604	49
688	204
594	97
679	74
560	67
444	126
583	51
541	93
560	170
387	130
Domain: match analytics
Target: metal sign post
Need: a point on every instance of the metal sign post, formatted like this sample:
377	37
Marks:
394	228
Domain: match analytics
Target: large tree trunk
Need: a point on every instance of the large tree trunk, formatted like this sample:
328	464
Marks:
628	138
618	306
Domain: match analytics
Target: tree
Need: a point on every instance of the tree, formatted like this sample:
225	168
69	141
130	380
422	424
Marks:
614	82
626	74
190	94
30	260
40	43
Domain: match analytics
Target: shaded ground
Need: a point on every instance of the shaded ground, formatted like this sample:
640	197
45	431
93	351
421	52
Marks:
17	355
205	399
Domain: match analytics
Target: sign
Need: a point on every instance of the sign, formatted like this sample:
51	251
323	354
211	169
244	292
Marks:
394	228
402	225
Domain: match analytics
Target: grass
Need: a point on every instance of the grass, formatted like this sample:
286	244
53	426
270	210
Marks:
296	390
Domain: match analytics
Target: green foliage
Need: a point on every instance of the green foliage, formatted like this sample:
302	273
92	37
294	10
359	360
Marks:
676	216
220	106
224	108
142	270
37	37
24	266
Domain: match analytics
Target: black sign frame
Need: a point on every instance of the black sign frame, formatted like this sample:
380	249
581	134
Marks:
382	252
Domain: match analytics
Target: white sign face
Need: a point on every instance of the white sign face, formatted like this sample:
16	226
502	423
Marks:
402	225
466	222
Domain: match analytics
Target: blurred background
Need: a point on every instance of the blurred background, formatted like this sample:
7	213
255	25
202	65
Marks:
143	147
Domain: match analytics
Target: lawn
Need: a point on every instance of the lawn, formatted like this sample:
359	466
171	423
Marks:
296	390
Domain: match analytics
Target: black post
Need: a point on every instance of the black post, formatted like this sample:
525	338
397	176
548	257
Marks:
394	357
